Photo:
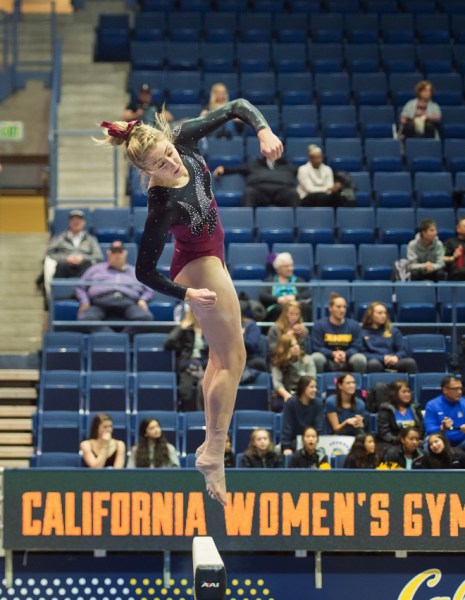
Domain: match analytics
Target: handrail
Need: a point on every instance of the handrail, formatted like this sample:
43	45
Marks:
53	117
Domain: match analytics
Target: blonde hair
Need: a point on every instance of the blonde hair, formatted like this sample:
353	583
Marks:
141	140
282	322
367	319
282	355
212	103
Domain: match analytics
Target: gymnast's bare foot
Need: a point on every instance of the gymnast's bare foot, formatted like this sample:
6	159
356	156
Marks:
200	449
214	478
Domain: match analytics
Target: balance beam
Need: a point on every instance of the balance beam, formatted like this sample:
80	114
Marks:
209	571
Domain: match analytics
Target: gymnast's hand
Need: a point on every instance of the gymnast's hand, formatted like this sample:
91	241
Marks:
200	298
270	145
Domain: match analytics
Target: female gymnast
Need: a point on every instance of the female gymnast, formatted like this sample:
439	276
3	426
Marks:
180	201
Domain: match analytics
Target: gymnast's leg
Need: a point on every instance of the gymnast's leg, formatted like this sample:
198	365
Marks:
221	327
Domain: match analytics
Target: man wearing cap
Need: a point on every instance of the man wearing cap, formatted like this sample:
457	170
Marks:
113	291
71	252
144	108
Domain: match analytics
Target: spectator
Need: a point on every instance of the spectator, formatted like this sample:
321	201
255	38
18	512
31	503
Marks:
290	363
425	254
397	413
305	409
191	348
261	453
267	182
102	450
316	181
454	253
71	252
114	291
363	453
252	339
383	344
289	321
284	288
446	413
310	456
441	455
229	458
421	116
408	453
153	449
144	108
345	413
219	96
337	341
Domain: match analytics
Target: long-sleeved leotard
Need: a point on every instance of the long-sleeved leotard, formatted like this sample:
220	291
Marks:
189	212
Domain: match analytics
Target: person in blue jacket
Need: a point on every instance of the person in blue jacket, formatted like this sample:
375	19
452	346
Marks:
337	341
383	344
446	413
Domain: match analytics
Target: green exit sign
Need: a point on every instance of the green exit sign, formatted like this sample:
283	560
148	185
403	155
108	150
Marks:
12	131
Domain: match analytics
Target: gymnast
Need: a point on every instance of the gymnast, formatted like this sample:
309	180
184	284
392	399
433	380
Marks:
180	201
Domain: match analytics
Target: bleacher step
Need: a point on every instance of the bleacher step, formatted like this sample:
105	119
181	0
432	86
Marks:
25	375
14	463
17	412
15	424
17	393
15	452
15	439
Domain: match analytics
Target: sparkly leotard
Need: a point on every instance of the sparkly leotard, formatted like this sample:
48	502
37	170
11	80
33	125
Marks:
190	213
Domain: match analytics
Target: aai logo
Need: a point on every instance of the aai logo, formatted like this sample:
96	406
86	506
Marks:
211	584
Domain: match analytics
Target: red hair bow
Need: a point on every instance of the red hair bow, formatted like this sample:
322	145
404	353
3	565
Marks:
116	132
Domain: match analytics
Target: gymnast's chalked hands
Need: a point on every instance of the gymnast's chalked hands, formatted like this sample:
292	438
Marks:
202	298
270	145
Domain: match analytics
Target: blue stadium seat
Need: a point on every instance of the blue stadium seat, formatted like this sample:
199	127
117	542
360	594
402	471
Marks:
63	351
302	255
112	38
193	431
423	154
228	153
61	217
238	224
363	189
150	26
245	421
148	55
433	190
343	6
295	88
362	28
435	58
121	425
432	28
290	28
108	352
344	154
336	261
230	80
447	293
355	225
183	87
247	261
300	121
255	396
457	27
427	387
111	224
398	58
165	259
184	111
182	56
289	58
429	351
220	27
416	302
107	390
397	29
258	87
364	295
271	114
338	121
443	217
228	190
304	6
380	6
376	260
255	27
370	89
297	149
163	310
155	79
393	190
184	26
155	390
274	224
418	6
150	353
59	431
448	92
62	305
139	215
454	154
315	225
254	58
362	58
377	121
61	391
218	57
395	227
325	58
63	460
384	154
332	88
151	5
453	125
402	86
326	27
170	422
371	379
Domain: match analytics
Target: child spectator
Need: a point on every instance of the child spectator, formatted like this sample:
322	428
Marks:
408	453
310	456
261	453
425	254
441	455
363	453
290	322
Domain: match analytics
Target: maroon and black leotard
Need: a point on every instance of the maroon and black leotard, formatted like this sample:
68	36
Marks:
190	213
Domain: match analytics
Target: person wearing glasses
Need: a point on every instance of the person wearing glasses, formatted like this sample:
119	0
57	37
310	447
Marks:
446	413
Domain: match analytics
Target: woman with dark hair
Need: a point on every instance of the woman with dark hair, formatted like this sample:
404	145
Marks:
363	453
101	450
409	451
346	414
153	449
383	344
302	410
397	412
421	116
290	321
441	455
309	456
261	453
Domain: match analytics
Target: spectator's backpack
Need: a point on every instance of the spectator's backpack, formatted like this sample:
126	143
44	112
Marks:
399	270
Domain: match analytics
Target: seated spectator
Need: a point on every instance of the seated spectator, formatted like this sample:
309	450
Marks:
261	453
421	116
144	108
408	453
219	96
310	456
114	292
316	181
363	453
441	455
153	449
267	182
305	409
102	450
397	413
425	254
446	413
289	364
283	289
337	341
229	458
71	252
191	348
252	339
289	321
454	253
383	344
345	413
